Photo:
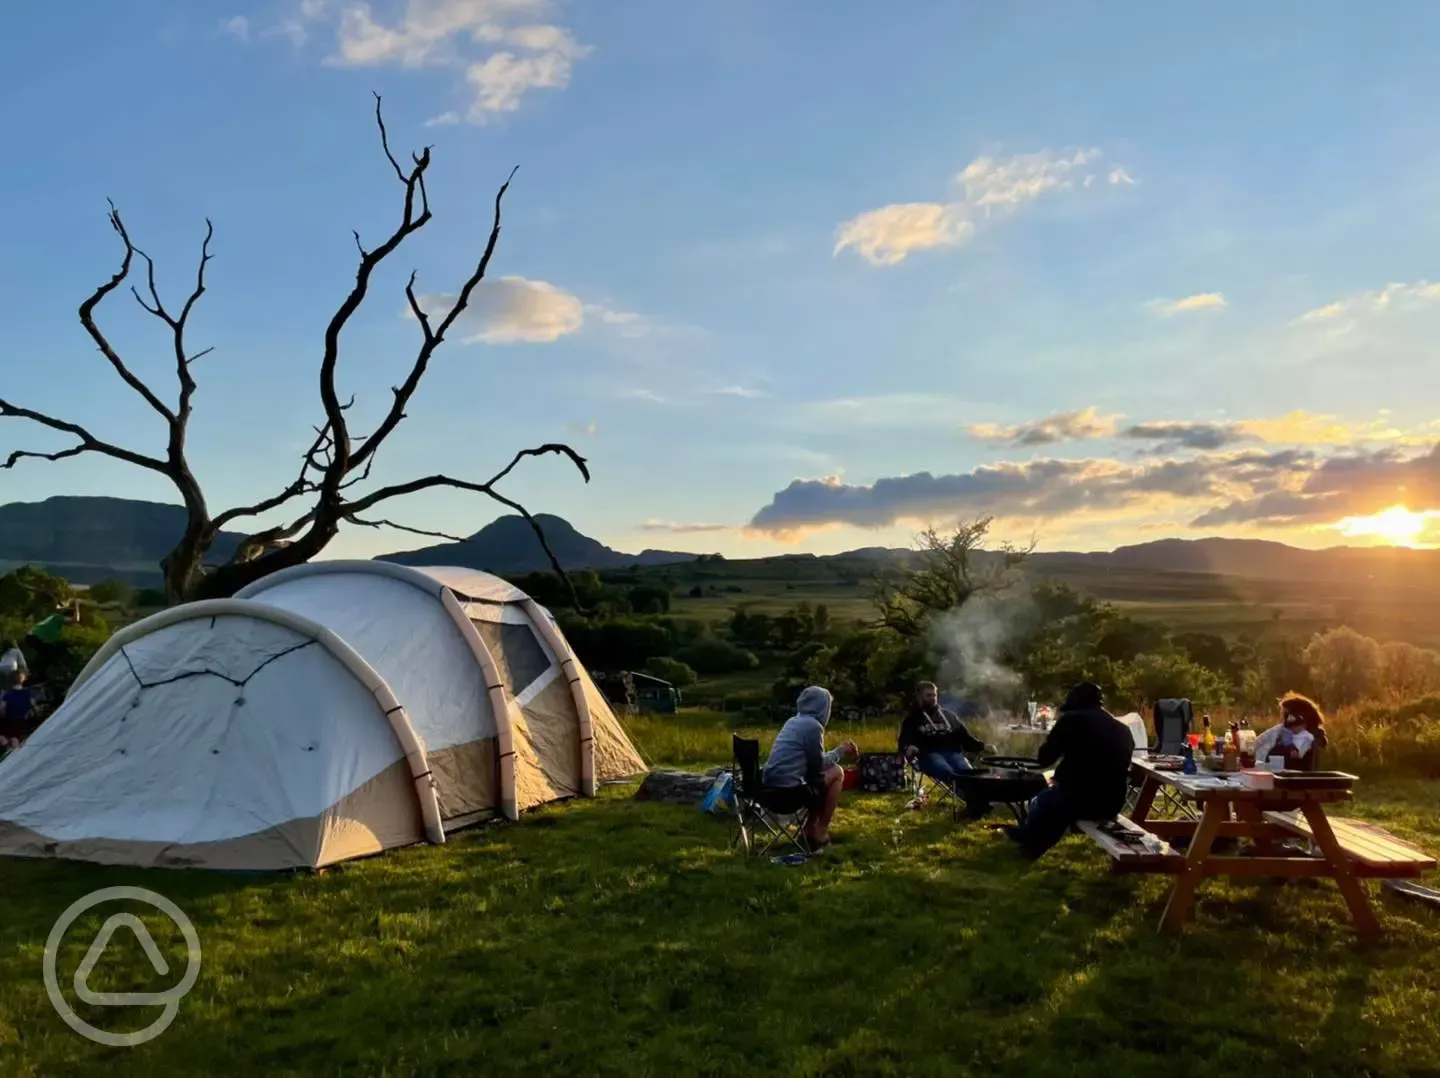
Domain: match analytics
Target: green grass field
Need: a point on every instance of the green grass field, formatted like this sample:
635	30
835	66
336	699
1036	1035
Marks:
614	937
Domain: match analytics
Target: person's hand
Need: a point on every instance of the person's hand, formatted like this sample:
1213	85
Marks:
850	749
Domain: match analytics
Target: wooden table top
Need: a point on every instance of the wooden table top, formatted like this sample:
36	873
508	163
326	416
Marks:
1227	786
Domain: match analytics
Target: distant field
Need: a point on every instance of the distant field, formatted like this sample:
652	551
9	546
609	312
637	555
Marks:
1182	601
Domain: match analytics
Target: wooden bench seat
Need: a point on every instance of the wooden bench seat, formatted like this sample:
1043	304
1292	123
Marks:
1377	853
1160	856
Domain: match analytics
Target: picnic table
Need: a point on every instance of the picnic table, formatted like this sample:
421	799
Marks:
1349	851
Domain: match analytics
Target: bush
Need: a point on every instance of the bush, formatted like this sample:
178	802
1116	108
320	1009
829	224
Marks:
712	655
111	591
671	670
1399	740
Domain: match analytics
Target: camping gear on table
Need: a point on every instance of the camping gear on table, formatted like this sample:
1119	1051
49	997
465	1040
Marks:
881	772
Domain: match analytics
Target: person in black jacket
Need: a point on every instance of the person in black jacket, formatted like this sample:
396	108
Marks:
935	740
1094	749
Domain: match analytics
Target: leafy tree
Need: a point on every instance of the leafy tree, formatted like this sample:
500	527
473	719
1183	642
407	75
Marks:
1167	675
952	569
147	598
672	670
30	594
1408	672
648	599
1344	665
334	470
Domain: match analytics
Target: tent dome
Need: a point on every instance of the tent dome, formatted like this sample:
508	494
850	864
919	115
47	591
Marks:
328	711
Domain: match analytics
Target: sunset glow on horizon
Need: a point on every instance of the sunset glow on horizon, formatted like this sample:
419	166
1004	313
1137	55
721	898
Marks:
1396	526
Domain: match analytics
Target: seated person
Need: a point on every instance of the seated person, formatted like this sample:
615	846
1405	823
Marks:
12	662
935	740
15	711
1299	737
799	772
1094	749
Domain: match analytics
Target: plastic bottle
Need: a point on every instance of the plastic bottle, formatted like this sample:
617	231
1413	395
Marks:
1187	767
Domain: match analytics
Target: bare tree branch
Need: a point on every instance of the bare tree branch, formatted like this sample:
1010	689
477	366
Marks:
414	181
88	442
87	319
405	528
433	338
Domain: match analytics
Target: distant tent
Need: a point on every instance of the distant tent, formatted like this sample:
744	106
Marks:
327	712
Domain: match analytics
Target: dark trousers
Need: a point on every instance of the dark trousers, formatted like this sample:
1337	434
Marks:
1050	817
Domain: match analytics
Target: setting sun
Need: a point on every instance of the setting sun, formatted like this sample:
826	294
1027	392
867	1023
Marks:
1396	526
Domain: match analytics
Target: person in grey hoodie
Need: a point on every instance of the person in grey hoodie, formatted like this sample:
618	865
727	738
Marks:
798	762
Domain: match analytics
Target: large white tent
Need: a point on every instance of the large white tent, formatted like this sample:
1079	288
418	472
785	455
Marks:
329	711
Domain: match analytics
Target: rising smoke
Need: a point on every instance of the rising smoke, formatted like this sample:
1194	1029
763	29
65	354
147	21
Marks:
973	647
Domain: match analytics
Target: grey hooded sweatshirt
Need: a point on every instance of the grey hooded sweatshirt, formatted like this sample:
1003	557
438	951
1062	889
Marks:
798	757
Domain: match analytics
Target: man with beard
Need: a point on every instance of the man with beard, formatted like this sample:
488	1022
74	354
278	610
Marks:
935	741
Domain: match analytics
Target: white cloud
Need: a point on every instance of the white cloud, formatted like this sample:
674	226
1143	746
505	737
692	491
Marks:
985	187
586	430
503	48
445	119
744	392
1203	301
297	24
237	26
511	310
1391	298
515	310
641	395
1073	426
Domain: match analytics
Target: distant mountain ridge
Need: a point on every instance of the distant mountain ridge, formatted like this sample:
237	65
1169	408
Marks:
508	546
87	539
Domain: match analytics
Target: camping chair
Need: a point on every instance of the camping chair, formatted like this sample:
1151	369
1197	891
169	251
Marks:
763	817
1173	720
926	789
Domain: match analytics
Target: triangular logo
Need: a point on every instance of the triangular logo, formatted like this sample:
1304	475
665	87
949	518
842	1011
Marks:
92	958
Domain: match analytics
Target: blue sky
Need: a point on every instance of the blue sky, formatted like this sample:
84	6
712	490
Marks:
803	275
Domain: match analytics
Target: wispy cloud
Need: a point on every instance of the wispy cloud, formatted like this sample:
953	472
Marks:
985	188
1393	298
1202	301
583	430
744	392
237	26
683	529
500	50
1294	428
1060	427
641	395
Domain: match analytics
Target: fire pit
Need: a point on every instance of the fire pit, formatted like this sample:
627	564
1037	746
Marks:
1003	780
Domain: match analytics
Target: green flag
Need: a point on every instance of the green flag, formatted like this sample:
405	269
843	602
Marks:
50	629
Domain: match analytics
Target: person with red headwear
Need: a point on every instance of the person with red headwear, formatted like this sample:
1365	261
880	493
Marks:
1300	735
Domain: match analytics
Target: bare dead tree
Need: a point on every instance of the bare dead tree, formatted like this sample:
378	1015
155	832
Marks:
336	462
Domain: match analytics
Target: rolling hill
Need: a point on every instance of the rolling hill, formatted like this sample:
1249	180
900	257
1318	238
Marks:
87	539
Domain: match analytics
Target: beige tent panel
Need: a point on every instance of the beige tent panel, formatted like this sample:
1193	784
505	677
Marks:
467	781
555	736
380	814
615	755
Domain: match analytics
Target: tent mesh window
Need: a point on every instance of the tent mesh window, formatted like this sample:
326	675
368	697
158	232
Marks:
521	655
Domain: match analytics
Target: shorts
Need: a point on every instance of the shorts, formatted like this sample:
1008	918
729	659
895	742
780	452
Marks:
789	799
